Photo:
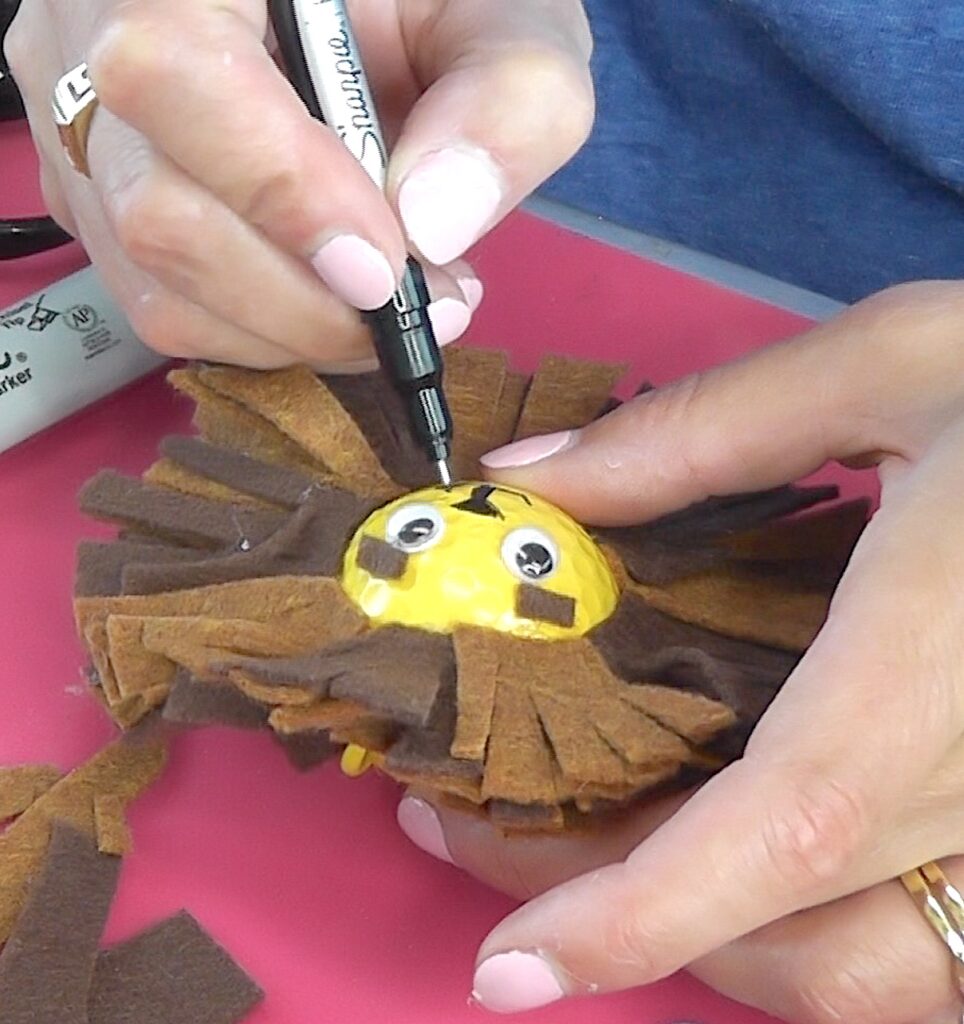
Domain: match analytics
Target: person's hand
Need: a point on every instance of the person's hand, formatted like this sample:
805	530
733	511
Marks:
775	881
233	227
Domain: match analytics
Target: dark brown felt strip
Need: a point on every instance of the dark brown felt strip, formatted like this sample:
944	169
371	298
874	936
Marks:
380	559
192	702
301	406
566	393
172	973
377	408
278	485
47	965
20	786
122	769
394	671
174	477
101	564
649	559
310	543
185	519
542	605
306	750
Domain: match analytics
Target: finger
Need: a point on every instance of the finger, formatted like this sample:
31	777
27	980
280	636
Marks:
815	809
214	102
868	958
510	101
524	865
882	377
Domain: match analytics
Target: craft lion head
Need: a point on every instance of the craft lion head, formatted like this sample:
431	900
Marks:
276	571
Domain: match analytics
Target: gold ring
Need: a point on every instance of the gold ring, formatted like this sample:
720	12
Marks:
73	105
942	905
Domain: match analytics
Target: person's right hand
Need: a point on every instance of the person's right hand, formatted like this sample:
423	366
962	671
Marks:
231	226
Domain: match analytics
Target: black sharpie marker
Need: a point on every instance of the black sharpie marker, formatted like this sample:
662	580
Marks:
325	68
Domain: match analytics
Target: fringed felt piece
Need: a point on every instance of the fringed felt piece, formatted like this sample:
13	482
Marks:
641	643
551	721
191	702
564	394
122	770
505	416
377	408
228	424
310	543
394	671
239	473
305	410
20	786
171	972
734	601
185	519
47	965
474	383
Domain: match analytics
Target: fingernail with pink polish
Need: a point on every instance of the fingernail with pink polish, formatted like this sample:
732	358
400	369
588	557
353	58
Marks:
529	451
447	200
515	981
472	290
355	271
450	318
418	820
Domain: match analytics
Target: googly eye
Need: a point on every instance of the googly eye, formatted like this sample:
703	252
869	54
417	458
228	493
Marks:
415	527
530	554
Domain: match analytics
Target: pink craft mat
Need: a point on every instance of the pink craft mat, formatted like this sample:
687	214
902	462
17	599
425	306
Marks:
305	878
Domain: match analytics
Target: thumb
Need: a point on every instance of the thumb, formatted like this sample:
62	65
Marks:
880	378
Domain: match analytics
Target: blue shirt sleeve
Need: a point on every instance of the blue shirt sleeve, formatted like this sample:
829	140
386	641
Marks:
820	142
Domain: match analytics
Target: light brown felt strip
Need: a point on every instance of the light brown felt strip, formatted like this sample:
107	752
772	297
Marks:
566	393
21	785
477	661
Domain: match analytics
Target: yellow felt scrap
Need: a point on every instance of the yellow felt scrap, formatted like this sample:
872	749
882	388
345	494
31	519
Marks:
735	602
305	410
20	786
566	393
474	380
225	422
175	477
121	771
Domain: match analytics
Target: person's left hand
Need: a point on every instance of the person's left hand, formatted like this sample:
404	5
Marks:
775	881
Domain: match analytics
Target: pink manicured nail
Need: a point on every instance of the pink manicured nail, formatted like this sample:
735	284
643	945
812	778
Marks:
472	290
418	820
511	982
355	271
450	318
447	200
529	451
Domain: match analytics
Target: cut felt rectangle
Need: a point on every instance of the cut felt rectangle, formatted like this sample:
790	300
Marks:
47	964
20	786
172	973
239	473
301	407
380	559
477	666
543	605
519	764
185	519
123	769
566	394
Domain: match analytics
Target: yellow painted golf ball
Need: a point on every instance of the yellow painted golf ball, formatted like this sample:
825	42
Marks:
469	549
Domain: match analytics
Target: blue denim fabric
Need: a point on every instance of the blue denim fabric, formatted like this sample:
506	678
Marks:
819	141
